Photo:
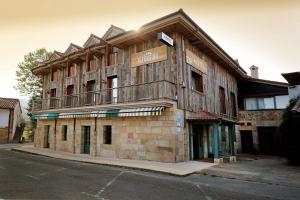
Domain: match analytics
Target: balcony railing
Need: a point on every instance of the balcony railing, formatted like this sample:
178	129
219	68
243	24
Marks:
157	90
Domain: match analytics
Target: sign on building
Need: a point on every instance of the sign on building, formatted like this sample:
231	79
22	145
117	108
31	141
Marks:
149	56
164	38
195	61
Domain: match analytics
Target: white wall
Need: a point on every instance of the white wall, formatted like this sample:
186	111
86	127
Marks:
4	118
294	91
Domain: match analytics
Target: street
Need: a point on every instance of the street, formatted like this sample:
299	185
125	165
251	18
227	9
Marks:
26	176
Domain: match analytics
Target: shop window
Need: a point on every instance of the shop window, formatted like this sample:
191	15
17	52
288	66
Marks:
222	100
64	133
197	82
107	139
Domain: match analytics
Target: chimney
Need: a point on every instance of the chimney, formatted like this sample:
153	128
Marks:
254	71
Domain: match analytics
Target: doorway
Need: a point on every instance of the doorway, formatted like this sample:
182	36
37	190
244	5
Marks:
267	140
86	139
247	141
47	137
197	150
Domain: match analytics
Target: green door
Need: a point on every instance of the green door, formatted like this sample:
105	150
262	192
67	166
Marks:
86	139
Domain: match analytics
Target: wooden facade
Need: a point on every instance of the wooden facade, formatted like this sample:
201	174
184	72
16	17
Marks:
130	69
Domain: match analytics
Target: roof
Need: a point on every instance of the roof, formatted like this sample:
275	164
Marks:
8	103
258	80
207	116
292	78
180	21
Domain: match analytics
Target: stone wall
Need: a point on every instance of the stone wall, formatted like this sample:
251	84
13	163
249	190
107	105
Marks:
154	138
250	120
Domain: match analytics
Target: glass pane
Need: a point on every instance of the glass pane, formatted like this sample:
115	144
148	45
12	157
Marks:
261	103
269	103
250	104
282	101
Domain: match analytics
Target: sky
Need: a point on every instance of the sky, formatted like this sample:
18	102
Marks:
264	33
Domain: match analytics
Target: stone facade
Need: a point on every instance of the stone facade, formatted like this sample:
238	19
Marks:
143	138
251	120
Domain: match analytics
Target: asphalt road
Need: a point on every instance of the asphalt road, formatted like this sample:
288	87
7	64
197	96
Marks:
26	176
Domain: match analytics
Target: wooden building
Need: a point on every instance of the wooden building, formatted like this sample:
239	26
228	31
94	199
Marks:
10	120
167	93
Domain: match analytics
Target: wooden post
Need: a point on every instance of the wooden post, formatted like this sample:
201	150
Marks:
216	140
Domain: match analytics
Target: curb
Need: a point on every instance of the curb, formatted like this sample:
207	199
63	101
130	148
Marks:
106	164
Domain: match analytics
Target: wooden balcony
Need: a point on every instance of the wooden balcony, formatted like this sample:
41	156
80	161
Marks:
158	90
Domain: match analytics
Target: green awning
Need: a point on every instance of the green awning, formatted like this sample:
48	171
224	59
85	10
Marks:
132	112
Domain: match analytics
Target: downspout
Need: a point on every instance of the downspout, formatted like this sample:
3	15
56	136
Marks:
95	138
55	122
74	133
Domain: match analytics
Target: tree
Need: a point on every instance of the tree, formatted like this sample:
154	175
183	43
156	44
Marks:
27	83
288	130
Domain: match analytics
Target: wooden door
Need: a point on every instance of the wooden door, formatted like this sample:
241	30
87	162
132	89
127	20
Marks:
267	140
247	141
86	139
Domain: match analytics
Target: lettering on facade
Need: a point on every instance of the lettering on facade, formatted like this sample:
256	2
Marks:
195	61
149	56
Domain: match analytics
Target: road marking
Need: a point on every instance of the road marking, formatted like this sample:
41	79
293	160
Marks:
108	184
97	196
203	192
33	177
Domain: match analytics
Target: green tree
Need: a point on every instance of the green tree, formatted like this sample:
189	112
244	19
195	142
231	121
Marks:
289	130
27	83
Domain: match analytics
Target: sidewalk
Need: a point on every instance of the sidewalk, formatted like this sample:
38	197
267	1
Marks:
265	169
178	169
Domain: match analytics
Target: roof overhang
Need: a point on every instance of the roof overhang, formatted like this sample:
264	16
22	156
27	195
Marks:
179	22
292	78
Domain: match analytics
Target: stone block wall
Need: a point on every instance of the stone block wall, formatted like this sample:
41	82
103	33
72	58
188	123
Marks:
155	138
3	135
250	120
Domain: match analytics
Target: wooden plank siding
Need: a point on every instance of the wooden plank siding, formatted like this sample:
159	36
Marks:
170	78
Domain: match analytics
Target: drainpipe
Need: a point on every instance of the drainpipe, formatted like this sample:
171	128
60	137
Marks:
54	143
74	133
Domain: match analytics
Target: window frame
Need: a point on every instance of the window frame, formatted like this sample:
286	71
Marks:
222	98
107	131
64	135
199	85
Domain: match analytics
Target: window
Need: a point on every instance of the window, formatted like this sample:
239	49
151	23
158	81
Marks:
250	104
69	98
266	103
53	93
282	101
107	135
71	70
112	89
64	133
197	82
233	104
54	75
92	64
222	100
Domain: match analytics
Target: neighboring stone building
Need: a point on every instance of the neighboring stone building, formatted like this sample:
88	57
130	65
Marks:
166	93
261	105
10	120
